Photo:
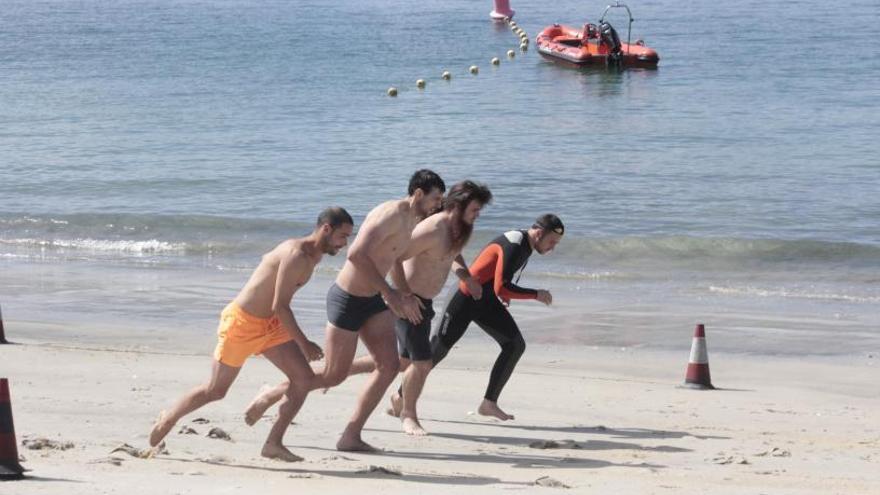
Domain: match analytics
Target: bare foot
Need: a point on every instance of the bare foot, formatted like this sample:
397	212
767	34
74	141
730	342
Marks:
160	429
396	405
279	452
258	406
411	426
489	408
354	445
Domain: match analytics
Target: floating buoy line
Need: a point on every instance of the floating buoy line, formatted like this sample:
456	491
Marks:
446	75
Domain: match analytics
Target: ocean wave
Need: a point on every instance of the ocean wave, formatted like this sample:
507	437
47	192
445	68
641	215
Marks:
694	250
580	275
789	293
132	222
200	234
151	246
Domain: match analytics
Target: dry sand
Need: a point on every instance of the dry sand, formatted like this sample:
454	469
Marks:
614	421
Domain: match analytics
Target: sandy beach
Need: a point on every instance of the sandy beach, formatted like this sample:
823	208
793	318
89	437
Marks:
154	151
595	420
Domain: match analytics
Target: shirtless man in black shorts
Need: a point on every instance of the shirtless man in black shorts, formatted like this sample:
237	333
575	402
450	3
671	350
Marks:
362	304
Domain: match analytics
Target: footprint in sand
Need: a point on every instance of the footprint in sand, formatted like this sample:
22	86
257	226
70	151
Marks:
147	453
549	482
219	434
379	470
46	444
551	444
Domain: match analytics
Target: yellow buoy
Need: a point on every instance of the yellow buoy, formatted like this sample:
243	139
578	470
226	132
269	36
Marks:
420	84
446	75
496	61
392	91
511	53
474	70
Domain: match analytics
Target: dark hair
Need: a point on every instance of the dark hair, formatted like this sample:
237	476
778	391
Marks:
458	198
461	194
425	180
334	217
549	222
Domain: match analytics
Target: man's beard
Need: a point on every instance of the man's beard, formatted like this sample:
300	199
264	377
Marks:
328	248
460	230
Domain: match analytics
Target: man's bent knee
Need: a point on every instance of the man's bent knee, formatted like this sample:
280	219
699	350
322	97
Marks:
295	388
389	366
332	378
422	367
215	393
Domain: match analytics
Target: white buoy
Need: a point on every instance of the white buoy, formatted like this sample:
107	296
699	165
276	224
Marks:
420	84
474	70
524	46
392	91
496	61
511	53
446	75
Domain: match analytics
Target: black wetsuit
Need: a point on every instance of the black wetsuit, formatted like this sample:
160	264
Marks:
494	268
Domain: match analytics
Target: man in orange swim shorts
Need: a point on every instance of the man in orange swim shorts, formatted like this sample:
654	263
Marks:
259	321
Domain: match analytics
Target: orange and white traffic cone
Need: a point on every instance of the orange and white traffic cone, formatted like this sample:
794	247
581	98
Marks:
10	469
697	375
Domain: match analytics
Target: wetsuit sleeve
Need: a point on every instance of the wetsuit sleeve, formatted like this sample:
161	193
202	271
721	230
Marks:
504	286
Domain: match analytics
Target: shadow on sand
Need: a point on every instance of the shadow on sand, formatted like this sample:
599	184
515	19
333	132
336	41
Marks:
628	433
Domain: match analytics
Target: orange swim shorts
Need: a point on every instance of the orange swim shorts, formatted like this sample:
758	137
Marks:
241	335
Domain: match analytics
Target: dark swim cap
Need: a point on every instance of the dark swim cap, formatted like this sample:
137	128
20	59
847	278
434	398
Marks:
550	222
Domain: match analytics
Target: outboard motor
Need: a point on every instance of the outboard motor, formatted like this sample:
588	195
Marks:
608	36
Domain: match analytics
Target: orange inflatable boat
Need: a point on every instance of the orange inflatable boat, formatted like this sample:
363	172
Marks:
595	45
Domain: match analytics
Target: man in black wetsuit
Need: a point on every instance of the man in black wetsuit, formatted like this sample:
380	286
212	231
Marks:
494	268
